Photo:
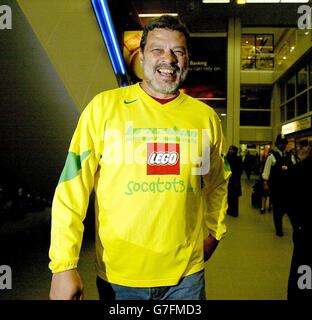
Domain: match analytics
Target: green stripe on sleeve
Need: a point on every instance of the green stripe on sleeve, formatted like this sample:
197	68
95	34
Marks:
73	165
227	166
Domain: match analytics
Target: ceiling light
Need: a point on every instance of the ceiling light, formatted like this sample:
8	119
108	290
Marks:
294	1
216	1
223	114
271	1
151	15
263	1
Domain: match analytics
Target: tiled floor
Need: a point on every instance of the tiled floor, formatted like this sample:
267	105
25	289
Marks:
251	263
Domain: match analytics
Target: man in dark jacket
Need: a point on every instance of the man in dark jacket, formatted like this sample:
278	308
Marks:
299	283
277	171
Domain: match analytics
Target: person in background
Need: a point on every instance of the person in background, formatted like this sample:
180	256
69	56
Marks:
277	170
248	164
234	187
256	165
299	285
156	224
265	194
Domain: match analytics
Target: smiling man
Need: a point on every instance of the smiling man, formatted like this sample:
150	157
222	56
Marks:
154	157
165	61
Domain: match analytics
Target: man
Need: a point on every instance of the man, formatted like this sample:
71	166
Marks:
234	187
276	180
139	148
299	286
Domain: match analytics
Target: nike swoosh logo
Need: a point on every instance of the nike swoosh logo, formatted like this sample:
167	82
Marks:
127	102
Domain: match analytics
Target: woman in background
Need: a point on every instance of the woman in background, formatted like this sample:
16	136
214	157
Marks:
234	187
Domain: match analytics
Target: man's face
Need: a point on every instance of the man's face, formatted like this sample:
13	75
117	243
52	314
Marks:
282	146
165	62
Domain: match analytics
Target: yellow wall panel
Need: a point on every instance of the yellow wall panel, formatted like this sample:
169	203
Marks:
69	33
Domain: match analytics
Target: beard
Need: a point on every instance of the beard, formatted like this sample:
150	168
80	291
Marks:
164	86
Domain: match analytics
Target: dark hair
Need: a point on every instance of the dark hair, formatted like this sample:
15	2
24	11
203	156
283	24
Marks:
281	139
234	148
164	22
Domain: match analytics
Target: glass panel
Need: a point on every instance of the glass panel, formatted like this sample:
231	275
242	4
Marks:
302	104
256	97
290	112
264	43
248	58
264	50
282	88
291	83
255	118
257	51
302	79
248	63
264	63
247	45
282	114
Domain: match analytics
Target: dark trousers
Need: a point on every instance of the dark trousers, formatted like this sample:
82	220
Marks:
279	210
232	205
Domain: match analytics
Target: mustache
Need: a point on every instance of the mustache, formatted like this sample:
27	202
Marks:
168	66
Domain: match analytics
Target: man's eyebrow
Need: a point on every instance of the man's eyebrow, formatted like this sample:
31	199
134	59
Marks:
161	44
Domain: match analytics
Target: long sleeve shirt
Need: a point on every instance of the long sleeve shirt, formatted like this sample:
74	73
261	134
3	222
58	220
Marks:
146	163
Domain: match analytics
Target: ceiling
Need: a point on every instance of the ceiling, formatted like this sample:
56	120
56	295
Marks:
199	17
202	18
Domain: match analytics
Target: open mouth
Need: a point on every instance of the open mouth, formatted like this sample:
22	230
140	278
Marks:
167	72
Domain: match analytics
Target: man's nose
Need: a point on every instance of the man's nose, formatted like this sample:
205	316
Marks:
169	56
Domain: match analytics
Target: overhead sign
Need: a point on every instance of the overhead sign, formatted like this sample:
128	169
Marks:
298	125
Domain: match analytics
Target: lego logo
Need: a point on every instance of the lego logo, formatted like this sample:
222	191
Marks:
163	158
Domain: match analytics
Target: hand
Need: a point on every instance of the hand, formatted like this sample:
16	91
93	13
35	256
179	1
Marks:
66	285
284	168
210	245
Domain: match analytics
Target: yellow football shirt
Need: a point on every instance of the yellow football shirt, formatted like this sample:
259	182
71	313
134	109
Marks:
160	187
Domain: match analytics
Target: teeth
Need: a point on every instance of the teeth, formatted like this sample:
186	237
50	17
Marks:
168	71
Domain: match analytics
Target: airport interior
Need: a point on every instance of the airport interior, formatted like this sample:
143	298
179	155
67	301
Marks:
251	61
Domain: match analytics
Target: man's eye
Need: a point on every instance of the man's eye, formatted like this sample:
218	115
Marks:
179	52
